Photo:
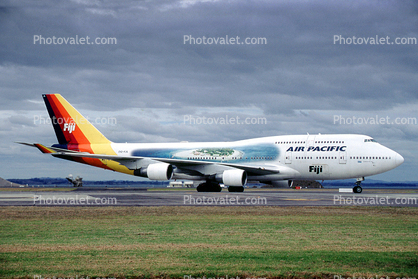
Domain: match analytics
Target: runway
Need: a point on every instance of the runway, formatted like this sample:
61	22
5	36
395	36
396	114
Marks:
183	197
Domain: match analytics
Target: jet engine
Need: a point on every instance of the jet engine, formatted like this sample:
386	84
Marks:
282	183
232	177
158	171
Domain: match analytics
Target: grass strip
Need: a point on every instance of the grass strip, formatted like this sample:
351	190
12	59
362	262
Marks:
171	242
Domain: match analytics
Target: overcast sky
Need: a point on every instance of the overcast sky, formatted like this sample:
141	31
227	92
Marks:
299	79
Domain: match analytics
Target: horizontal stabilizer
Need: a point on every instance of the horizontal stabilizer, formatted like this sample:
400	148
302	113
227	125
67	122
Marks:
49	150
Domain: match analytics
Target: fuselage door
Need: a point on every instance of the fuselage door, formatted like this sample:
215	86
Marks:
288	159
310	141
343	157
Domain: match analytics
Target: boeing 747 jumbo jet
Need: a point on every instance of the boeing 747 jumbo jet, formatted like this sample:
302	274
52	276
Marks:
272	160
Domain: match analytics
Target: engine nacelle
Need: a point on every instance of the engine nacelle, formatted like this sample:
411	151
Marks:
282	183
158	171
233	177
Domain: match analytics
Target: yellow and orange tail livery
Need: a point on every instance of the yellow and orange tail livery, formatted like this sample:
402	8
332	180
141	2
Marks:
76	134
72	129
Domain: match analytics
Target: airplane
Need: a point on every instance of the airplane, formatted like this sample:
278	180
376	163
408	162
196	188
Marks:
275	160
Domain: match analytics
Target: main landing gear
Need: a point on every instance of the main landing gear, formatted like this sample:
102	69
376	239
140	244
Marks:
357	189
209	186
236	189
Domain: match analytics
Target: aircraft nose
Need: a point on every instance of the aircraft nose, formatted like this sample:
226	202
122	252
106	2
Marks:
398	159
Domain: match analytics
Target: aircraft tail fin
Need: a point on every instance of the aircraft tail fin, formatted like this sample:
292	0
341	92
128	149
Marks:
70	126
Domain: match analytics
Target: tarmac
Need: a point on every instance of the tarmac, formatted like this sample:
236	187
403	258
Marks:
95	196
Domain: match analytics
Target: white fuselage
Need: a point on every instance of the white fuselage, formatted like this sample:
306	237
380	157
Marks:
310	157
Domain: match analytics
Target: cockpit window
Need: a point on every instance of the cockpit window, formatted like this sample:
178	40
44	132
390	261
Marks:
369	140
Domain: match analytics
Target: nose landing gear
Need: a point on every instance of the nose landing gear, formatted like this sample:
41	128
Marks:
357	189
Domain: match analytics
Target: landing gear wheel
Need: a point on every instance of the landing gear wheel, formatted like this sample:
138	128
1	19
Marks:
236	189
357	190
209	187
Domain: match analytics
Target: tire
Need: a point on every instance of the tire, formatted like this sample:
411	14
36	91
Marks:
236	189
357	190
201	187
209	187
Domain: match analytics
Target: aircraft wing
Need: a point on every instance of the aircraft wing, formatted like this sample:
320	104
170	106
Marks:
125	160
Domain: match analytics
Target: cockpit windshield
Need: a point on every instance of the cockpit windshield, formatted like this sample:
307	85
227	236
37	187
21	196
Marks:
369	140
